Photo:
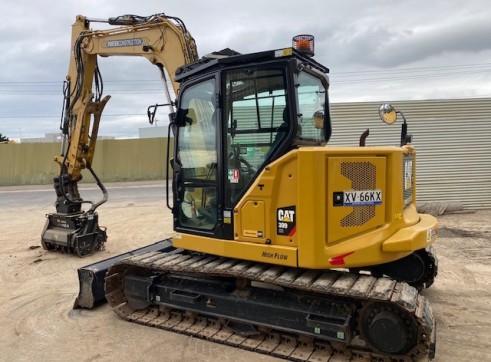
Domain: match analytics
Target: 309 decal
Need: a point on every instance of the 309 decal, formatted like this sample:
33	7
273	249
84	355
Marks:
286	221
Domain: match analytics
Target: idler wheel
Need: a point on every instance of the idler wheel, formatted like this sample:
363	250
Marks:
387	329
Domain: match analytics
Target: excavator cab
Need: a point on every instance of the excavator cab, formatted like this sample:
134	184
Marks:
235	116
251	166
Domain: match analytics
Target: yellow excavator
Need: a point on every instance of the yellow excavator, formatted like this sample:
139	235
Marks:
282	244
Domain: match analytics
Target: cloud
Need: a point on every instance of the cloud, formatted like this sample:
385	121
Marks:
382	50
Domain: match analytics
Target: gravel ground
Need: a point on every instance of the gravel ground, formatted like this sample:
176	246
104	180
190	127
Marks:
38	288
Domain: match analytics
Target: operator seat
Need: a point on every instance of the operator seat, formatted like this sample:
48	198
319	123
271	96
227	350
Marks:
281	132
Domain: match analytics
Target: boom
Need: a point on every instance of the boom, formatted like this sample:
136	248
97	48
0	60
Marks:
165	42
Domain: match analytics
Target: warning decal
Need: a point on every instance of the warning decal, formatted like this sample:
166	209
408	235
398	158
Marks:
286	221
233	176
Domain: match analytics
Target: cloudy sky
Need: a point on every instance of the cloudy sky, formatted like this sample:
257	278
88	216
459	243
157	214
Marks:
377	50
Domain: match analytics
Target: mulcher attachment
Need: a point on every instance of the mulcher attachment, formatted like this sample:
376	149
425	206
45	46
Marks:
71	229
78	233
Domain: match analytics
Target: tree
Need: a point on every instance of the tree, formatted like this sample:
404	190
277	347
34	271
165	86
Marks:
3	138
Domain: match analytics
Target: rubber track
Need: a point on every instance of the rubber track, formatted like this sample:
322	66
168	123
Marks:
430	278
363	288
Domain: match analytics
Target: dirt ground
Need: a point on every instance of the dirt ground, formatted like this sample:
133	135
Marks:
38	288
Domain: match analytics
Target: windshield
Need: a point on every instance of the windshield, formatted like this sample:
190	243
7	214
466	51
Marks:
312	100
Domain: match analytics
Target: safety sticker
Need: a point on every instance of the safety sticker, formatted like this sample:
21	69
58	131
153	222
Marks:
431	234
408	174
286	221
252	233
233	176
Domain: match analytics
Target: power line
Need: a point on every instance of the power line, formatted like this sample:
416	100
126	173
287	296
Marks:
61	82
403	77
410	73
474	68
124	91
434	68
57	116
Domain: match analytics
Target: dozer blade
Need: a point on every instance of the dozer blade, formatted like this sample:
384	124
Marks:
91	277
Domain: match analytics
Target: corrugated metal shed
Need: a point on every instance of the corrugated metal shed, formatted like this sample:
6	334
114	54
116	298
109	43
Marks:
452	139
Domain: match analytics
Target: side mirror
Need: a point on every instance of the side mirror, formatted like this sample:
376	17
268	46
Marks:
387	113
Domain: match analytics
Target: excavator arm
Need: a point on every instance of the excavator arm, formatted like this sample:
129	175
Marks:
166	43
163	40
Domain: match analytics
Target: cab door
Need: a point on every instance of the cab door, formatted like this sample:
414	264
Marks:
195	183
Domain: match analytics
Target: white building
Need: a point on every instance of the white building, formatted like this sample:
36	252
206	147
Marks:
152	132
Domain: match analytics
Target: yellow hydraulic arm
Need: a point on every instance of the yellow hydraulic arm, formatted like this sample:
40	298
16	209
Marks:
162	39
165	42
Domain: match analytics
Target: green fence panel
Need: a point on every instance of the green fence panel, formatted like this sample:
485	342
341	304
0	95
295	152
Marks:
115	160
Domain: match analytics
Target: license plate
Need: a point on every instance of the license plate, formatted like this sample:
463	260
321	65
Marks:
362	197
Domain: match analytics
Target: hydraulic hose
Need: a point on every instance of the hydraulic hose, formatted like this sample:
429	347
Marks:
103	189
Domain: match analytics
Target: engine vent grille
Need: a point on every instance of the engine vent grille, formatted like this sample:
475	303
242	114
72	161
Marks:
363	176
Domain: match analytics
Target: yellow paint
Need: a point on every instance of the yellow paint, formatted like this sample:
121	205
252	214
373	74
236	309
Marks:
413	237
253	222
307	179
272	254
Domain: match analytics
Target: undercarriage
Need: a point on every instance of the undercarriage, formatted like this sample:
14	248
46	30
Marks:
418	269
294	313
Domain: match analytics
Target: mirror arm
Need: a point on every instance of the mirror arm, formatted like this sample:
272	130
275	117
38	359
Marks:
152	111
405	138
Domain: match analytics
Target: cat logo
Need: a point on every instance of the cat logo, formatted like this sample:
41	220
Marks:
285	221
286	215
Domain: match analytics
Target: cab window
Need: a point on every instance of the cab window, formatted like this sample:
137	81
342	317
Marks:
256	118
311	105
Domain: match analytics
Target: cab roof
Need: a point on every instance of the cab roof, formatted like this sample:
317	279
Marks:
227	57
